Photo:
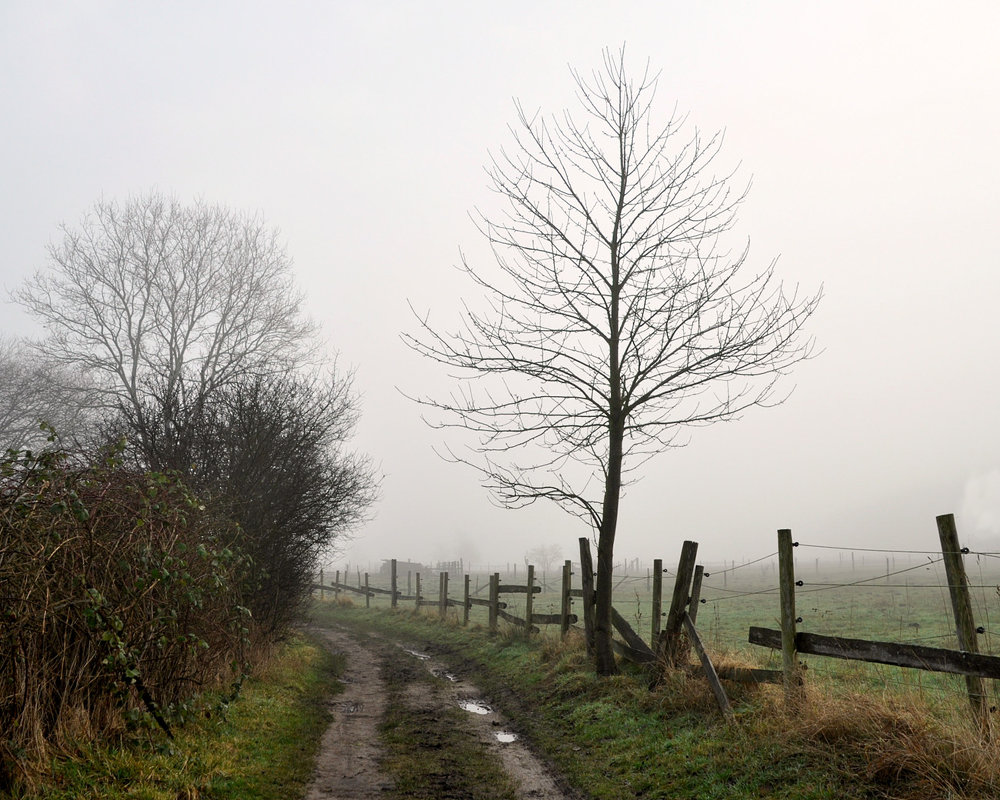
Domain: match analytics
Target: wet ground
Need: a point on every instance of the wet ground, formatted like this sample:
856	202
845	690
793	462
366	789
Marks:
441	703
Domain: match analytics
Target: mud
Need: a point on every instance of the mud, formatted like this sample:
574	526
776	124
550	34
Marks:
347	766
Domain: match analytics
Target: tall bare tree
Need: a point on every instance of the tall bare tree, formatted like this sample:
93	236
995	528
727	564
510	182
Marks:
153	293
615	315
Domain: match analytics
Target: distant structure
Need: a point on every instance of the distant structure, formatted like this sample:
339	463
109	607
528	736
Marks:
402	567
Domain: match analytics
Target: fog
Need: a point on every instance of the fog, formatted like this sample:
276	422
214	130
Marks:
361	130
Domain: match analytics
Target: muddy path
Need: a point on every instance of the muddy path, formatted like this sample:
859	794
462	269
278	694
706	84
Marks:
452	736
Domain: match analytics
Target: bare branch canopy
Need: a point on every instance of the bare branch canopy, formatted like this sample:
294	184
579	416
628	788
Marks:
617	311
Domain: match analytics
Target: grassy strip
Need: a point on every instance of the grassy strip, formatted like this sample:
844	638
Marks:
261	747
428	751
613	737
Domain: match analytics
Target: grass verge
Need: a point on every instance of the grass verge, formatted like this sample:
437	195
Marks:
260	747
614	738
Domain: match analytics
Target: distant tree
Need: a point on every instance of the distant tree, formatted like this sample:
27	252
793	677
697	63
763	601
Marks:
271	454
33	392
544	556
616	317
154	294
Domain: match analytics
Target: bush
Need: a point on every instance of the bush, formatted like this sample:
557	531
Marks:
120	601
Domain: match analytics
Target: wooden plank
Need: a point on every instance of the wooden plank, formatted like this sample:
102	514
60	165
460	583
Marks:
706	665
480	601
513	588
529	597
633	655
567	585
586	591
786	587
632	639
657	615
699	574
961	604
931	659
514	620
670	642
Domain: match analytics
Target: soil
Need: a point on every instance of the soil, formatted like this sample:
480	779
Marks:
348	764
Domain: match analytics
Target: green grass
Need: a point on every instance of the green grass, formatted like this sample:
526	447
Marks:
261	747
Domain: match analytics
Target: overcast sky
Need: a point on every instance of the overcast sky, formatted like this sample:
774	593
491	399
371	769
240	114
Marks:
361	129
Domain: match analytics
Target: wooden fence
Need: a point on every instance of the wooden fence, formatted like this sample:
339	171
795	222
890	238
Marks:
674	633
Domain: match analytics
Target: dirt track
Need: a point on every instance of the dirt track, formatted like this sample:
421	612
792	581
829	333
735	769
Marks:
348	765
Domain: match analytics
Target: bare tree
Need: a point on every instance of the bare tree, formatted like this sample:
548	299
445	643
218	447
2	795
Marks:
616	317
32	392
154	293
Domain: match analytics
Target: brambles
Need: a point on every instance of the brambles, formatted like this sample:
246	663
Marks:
121	598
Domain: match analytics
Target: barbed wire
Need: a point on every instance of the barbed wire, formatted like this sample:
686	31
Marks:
740	566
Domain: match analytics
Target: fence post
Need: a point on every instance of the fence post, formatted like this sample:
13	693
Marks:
494	600
657	600
786	585
587	584
368	597
466	604
961	605
392	581
670	646
529	600
336	586
567	585
699	573
443	596
416	597
322	591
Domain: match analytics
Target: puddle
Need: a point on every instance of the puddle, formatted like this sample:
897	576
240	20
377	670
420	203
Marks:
415	654
475	706
440	673
505	737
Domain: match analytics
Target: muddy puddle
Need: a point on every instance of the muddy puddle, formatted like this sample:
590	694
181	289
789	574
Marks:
505	737
475	706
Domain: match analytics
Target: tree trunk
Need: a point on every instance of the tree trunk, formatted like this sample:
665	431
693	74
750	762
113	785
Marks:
605	656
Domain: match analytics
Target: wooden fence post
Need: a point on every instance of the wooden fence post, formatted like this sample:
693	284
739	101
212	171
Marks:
961	604
443	596
416	597
466	605
368	597
494	600
322	591
657	615
392	582
587	584
529	599
786	586
567	585
336	586
670	646
699	573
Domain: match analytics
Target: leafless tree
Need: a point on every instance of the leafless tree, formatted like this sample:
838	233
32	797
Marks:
154	293
33	392
616	317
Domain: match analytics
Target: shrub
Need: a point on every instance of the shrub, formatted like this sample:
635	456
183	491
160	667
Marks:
120	600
